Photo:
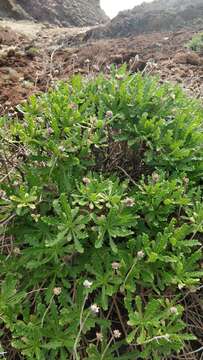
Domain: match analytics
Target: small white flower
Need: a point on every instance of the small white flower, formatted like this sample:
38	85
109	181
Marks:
87	284
57	291
140	254
115	265
155	177
94	309
116	334
99	336
174	310
86	181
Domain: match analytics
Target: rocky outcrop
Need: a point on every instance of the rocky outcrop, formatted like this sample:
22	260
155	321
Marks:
159	15
59	12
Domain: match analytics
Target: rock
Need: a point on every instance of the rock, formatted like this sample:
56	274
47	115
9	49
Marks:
116	59
187	58
193	59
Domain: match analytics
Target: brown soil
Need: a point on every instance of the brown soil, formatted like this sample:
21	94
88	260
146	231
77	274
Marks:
25	69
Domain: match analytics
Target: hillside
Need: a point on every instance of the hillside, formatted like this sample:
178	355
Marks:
160	15
59	12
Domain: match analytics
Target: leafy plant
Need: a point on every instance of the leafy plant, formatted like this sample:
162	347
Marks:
101	214
196	43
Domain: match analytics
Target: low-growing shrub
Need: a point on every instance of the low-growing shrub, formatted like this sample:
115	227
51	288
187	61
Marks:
101	218
196	43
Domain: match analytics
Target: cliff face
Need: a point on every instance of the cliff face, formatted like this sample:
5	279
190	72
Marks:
59	12
159	15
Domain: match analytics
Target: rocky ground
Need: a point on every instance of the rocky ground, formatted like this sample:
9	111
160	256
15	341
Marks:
33	57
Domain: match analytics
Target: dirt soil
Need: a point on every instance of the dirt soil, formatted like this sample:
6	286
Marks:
32	64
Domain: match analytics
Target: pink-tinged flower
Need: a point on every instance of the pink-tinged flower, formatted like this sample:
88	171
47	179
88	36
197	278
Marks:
129	202
109	114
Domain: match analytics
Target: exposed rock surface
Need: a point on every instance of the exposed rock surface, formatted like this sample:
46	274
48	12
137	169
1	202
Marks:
160	15
59	12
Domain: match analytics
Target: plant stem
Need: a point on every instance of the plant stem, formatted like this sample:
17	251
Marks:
106	348
128	274
82	323
46	311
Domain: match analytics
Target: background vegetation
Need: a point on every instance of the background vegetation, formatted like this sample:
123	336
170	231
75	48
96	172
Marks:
196	43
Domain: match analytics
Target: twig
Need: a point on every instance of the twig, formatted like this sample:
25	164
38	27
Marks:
131	179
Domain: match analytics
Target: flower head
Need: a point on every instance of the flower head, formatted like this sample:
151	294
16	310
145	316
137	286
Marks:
174	310
57	291
86	181
94	309
73	106
99	336
186	180
87	284
129	202
155	177
109	114
115	265
140	254
49	131
16	251
116	334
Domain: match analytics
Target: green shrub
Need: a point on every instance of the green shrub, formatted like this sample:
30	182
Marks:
196	43
101	215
